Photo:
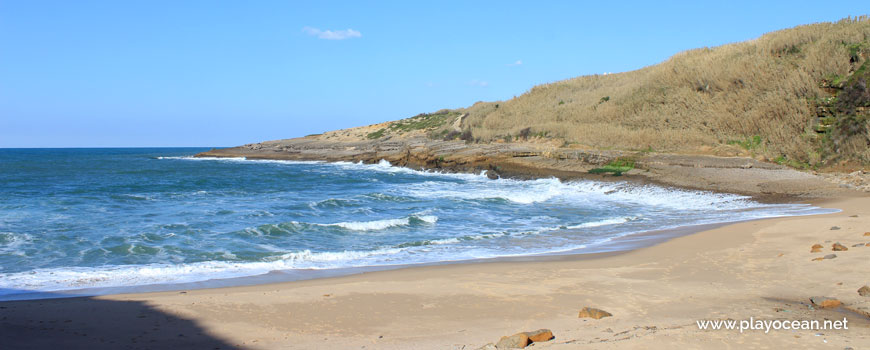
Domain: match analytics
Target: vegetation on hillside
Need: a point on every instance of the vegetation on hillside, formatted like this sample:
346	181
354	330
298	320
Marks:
797	96
423	122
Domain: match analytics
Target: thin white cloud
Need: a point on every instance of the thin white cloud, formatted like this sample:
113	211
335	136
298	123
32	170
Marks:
332	34
517	63
481	83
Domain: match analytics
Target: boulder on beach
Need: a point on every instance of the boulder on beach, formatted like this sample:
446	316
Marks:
825	302
520	340
837	247
817	248
516	341
540	335
864	291
591	312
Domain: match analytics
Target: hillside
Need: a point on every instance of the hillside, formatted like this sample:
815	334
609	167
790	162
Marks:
797	96
732	118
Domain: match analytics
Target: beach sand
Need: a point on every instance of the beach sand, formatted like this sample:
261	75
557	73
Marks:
761	269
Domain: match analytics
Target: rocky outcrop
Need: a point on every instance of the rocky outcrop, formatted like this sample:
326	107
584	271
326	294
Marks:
528	160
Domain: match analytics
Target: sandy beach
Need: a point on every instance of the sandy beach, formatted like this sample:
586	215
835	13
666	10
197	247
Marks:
761	269
413	175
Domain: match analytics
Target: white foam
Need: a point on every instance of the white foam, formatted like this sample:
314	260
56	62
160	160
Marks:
382	224
613	221
428	218
577	192
372	225
11	242
56	279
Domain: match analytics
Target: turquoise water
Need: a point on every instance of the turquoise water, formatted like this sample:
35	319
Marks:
90	218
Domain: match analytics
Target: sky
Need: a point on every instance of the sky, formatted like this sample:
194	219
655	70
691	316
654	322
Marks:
225	73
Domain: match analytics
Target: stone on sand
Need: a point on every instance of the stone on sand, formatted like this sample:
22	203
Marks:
830	256
864	291
817	248
837	247
540	335
516	341
591	312
825	302
866	234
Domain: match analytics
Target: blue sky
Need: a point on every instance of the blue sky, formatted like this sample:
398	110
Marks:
224	73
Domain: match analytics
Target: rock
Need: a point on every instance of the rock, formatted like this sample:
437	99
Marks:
818	259
590	312
489	346
817	248
866	234
540	335
864	291
491	175
834	228
837	247
830	256
516	341
825	302
858	245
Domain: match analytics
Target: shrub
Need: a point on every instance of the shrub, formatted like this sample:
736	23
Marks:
524	133
616	167
452	135
466	136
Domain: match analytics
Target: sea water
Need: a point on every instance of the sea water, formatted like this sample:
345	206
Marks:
95	218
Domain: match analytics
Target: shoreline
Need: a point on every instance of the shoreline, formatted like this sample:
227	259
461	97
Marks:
625	242
617	245
737	271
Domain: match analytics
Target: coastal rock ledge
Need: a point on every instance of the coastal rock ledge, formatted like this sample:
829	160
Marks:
530	160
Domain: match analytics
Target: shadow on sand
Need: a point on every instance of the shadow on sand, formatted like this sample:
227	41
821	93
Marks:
89	323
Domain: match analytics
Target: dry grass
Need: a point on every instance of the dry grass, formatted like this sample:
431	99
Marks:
765	87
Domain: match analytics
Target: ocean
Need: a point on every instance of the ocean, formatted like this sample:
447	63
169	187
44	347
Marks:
79	219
